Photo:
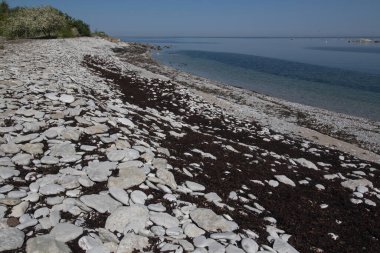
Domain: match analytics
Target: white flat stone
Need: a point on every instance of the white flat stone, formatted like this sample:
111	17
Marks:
46	243
127	178
134	216
167	177
51	160
10	148
138	197
116	155
51	189
100	171
192	230
249	245
101	203
66	98
11	239
164	220
195	186
66	232
120	195
126	122
285	180
306	163
22	159
132	243
210	221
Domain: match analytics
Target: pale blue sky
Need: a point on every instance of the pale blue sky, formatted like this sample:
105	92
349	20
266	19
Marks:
224	17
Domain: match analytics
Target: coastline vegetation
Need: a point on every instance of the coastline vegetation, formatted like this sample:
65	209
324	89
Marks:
39	22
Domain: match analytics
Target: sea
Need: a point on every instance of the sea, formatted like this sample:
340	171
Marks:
337	74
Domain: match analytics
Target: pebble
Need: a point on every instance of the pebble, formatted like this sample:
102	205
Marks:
208	220
138	197
66	232
46	243
285	180
101	203
134	216
164	220
11	239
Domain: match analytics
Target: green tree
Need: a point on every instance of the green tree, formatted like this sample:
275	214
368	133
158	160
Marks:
34	22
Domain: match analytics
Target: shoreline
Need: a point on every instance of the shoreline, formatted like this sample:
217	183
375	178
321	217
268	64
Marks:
354	135
100	154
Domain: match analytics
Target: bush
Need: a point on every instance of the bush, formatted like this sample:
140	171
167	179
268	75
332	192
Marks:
41	22
82	28
34	23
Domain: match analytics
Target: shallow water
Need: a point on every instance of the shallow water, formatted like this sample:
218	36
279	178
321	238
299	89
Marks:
328	73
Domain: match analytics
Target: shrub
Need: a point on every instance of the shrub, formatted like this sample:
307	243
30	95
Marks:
41	22
34	22
82	28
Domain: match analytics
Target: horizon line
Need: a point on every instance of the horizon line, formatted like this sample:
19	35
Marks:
247	37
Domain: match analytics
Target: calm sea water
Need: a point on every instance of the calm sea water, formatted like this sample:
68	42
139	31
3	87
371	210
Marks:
329	73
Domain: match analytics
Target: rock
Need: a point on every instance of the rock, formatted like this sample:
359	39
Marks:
212	197
66	232
46	243
233	249
33	148
210	221
25	138
87	243
8	172
71	134
283	247
120	195
158	230
96	129
192	231
63	150
273	183
19	210
135	217
116	155
126	122
131	154
353	184
132	243
51	160
160	163
101	203
195	186
100	171
22	159
11	239
285	180
138	197
10	148
51	189
164	220
306	163
66	99
186	245
157	207
215	247
127	178
249	245
167	177
10	201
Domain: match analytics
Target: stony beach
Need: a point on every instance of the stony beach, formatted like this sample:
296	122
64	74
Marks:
103	150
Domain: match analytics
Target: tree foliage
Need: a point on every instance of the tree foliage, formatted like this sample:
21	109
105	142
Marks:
40	22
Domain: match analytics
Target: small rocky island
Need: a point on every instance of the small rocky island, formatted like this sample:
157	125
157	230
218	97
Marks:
100	155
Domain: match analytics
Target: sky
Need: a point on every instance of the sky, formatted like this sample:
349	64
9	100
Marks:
223	17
